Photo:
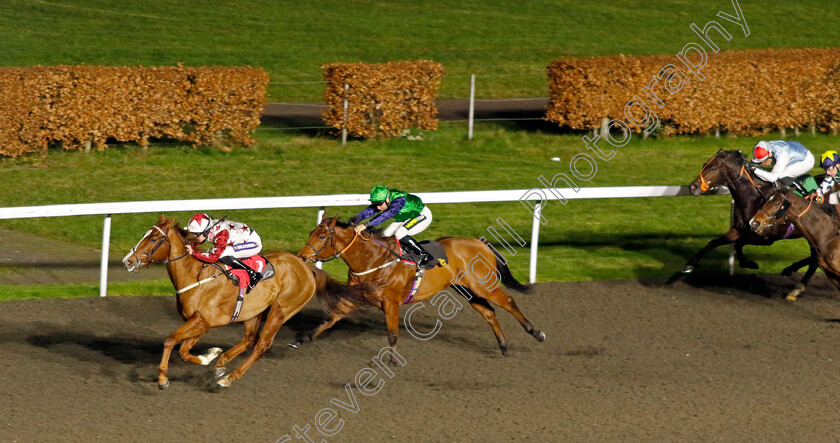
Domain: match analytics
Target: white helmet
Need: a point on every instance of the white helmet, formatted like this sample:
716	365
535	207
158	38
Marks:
199	223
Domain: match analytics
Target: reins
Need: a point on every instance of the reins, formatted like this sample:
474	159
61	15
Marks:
705	186
331	241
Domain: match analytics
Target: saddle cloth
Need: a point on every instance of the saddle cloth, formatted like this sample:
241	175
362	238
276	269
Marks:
439	257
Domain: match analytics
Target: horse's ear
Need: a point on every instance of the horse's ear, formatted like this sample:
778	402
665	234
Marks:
161	219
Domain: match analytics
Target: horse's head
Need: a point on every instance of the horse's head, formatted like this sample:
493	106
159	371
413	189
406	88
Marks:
321	245
721	169
154	247
774	212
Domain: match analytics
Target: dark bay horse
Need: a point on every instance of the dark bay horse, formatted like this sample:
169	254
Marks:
731	169
473	270
820	224
205	301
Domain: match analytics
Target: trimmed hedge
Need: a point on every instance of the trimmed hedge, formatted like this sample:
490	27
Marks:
384	99
744	92
80	106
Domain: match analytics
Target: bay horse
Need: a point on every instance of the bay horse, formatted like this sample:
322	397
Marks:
374	262
731	169
206	302
820	224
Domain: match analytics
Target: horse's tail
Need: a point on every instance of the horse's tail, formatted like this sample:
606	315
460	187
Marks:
504	272
331	293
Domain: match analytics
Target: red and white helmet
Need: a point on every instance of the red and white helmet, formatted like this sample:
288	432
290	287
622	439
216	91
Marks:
199	223
760	152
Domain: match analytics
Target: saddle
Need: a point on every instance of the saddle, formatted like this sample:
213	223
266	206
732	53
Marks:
240	278
439	257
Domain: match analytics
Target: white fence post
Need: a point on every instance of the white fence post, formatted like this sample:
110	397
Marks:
321	211
106	242
344	118
535	240
472	107
732	246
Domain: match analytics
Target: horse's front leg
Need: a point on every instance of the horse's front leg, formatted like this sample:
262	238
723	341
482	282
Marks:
391	307
730	236
204	359
813	264
252	325
743	261
194	328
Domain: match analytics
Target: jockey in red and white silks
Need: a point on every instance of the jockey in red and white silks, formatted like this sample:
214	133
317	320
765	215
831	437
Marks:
792	159
231	241
229	238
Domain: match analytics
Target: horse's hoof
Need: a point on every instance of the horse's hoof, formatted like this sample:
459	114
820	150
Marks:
295	345
219	372
225	383
505	352
163	385
790	297
209	356
787	272
687	269
540	337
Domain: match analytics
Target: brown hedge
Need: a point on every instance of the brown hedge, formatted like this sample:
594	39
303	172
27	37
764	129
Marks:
81	106
383	98
744	92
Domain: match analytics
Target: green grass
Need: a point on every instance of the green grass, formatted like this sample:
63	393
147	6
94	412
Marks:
646	238
507	44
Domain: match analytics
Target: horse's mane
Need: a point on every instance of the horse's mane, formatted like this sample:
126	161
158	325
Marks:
829	210
344	225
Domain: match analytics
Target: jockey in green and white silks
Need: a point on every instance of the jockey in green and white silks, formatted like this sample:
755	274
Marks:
410	216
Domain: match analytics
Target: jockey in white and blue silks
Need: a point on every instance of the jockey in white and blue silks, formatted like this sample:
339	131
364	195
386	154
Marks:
792	159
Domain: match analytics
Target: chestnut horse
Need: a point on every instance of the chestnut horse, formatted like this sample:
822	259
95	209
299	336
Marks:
373	263
206	299
731	169
820	224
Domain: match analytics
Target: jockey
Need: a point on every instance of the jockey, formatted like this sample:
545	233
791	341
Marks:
792	159
231	242
830	161
410	216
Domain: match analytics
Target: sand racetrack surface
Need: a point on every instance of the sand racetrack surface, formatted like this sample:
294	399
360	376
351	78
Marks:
711	358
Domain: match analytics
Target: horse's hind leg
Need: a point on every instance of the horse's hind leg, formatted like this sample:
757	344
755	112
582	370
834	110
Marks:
251	327
483	307
273	321
195	327
343	310
204	360
500	298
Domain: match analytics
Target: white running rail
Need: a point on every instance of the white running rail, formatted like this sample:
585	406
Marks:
533	199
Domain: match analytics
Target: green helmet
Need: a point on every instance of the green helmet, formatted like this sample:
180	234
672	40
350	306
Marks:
379	194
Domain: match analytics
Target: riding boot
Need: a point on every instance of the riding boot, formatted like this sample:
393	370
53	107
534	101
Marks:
253	275
411	244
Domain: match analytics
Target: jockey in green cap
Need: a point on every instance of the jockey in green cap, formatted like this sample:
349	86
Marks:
410	216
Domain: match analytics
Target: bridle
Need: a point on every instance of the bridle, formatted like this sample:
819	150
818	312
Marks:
706	185
331	242
779	217
157	245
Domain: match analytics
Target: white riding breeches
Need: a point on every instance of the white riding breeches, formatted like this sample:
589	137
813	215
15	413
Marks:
399	230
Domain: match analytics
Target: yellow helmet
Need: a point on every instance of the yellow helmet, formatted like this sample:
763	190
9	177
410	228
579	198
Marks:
829	159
